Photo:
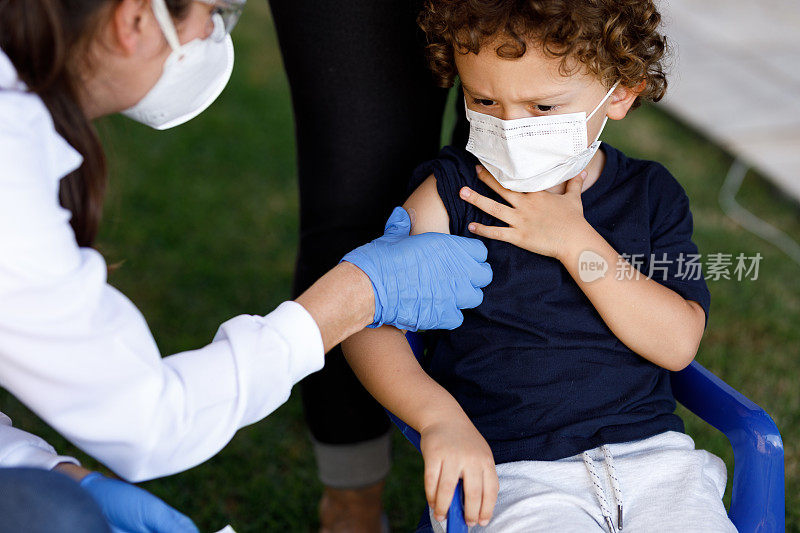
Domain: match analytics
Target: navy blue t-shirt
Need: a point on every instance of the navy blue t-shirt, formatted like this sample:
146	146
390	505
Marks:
534	366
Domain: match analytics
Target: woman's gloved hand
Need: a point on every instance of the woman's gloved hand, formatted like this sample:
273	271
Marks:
130	509
422	281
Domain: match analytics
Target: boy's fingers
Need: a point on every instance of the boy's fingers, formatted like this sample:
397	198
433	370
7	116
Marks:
486	177
473	493
487	205
431	480
492	232
444	492
575	185
490	488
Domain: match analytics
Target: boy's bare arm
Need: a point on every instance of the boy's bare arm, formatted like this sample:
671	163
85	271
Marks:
651	319
384	363
426	209
382	358
451	446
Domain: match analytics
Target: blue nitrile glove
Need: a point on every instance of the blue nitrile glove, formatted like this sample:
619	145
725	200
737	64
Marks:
422	281
129	509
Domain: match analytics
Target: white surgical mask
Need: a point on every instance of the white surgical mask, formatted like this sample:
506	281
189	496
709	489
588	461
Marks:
194	75
533	153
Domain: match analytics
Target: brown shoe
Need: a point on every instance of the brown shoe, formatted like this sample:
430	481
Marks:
353	510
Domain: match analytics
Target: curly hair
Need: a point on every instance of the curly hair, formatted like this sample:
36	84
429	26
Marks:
616	40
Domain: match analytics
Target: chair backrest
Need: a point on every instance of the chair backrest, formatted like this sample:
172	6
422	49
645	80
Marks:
757	491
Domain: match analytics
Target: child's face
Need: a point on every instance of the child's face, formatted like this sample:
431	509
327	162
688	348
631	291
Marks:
533	86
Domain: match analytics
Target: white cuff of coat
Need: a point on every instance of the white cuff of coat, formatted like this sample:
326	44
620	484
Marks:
293	327
34	455
253	359
302	334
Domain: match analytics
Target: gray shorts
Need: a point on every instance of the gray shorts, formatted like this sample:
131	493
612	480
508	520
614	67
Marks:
661	483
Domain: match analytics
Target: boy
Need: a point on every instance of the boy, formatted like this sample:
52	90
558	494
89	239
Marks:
560	377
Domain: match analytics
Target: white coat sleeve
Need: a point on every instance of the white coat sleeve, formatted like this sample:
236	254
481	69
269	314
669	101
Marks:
80	354
23	450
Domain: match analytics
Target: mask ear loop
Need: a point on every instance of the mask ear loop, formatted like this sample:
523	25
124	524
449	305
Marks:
609	93
164	20
602	127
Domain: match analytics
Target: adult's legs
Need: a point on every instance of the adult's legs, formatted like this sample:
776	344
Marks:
40	501
366	113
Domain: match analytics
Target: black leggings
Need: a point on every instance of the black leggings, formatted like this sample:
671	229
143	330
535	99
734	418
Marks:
366	113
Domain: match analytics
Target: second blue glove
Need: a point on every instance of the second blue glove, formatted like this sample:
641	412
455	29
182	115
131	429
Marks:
129	509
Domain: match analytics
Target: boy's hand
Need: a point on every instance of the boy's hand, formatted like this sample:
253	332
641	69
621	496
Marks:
541	222
454	449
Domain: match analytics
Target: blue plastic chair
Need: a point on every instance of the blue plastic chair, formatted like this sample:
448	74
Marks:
757	502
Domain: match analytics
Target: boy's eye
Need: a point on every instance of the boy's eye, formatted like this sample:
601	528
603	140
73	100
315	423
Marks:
483	101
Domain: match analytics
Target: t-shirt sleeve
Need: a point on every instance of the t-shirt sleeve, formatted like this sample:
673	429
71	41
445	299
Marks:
675	261
452	171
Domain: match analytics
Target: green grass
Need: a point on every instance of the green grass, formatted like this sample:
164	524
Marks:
205	219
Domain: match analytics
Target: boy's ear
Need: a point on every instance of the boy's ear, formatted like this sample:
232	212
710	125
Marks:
622	99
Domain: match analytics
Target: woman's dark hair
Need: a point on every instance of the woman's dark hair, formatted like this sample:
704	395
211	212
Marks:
46	40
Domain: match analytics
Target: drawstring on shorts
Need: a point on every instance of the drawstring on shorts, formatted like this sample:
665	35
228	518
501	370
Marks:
599	488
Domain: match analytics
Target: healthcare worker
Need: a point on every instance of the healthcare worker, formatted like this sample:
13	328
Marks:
78	352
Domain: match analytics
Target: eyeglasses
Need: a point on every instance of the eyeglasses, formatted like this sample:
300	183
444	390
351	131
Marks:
225	11
229	10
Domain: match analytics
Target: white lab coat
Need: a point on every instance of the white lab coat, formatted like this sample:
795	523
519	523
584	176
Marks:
19	449
79	353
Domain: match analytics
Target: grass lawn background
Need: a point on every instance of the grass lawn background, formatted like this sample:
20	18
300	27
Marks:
204	218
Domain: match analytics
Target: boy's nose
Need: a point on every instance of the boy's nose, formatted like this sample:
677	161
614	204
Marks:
511	113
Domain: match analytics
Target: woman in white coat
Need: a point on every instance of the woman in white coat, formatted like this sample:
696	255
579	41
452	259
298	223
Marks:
77	351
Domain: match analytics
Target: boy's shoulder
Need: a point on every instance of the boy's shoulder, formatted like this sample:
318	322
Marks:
655	175
645	181
451	164
454	168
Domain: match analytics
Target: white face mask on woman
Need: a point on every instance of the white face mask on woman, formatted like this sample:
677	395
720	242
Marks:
533	153
194	75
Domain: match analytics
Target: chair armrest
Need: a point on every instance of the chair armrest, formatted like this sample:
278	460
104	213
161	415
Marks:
408	432
757	502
